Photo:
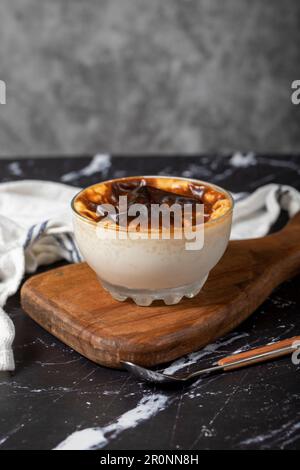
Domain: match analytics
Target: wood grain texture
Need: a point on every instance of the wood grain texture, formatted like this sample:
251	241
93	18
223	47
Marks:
70	303
277	350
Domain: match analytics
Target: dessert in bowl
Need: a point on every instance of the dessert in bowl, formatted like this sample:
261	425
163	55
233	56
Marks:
137	261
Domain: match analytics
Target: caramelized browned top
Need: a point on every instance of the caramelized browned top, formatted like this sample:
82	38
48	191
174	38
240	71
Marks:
148	190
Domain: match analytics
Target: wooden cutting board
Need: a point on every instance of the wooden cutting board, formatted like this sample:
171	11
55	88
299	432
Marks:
70	303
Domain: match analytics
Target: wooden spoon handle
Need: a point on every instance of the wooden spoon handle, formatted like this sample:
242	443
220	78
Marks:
261	354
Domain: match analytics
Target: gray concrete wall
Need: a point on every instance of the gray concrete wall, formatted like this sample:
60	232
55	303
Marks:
149	76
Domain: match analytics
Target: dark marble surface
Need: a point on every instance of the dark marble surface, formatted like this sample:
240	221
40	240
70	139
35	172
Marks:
149	76
56	392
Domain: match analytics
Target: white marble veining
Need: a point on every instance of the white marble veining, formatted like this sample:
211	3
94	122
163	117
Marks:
145	409
100	163
193	358
96	438
243	160
279	437
15	169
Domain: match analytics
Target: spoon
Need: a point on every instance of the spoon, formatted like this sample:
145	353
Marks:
235	361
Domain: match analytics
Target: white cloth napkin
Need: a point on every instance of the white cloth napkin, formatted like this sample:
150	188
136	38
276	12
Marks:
254	215
36	229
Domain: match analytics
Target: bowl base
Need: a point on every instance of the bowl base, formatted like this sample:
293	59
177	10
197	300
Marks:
144	297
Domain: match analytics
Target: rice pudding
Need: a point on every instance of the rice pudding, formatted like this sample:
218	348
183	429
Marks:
146	269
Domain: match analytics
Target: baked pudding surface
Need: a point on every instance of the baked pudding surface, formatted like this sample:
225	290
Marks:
147	190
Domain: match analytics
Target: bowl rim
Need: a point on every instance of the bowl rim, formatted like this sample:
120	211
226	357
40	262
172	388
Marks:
126	178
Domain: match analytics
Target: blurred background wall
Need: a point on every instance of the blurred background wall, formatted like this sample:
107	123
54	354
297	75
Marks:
149	76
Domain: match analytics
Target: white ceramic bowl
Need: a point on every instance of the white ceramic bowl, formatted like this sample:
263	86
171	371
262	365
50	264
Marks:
149	269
